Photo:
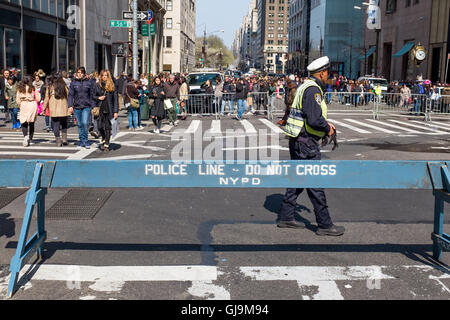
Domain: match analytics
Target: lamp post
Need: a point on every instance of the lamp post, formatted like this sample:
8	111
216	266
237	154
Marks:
321	41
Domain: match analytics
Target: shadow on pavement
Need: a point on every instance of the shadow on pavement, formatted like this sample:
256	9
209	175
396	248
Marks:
7	225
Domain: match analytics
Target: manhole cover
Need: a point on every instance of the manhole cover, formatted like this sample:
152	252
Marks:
79	204
9	195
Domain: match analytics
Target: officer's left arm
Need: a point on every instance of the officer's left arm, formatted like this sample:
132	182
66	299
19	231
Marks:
312	110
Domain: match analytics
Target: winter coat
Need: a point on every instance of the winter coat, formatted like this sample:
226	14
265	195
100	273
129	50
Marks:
172	90
2	92
81	94
110	105
184	92
241	91
130	92
156	92
57	107
11	92
27	103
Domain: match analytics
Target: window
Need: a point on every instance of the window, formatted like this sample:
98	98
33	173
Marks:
1	48
169	23
391	6
62	46
169	42
169	5
12	40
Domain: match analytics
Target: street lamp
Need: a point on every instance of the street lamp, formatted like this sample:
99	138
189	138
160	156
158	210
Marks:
321	41
204	43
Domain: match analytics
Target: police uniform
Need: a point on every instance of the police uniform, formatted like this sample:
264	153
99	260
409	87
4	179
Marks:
306	125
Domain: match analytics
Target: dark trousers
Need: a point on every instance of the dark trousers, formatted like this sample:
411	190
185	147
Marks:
306	149
25	130
59	123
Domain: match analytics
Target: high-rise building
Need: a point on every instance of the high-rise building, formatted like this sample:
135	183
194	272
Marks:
246	45
326	27
272	35
299	35
179	35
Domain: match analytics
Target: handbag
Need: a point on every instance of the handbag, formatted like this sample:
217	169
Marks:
134	103
96	110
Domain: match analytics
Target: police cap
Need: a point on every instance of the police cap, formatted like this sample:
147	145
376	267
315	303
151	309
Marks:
319	65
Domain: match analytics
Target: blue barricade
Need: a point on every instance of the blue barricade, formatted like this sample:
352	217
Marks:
39	176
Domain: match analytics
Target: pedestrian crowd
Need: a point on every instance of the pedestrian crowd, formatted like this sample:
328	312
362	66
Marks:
93	101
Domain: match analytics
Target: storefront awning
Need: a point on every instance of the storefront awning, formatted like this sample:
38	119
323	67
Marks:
406	48
369	53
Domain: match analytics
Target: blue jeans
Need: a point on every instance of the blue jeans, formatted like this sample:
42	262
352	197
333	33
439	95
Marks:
242	106
15	121
230	106
132	117
417	105
140	115
82	116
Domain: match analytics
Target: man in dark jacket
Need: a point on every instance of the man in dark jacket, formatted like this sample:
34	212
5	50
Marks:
173	94
121	85
81	102
3	96
241	96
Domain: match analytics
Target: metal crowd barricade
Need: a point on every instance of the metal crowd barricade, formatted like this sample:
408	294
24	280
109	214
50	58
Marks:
40	176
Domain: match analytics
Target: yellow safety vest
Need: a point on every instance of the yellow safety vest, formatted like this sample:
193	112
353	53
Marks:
295	121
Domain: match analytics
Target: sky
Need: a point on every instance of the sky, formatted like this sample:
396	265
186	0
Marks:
224	15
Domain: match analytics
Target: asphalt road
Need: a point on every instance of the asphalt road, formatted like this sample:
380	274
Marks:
199	244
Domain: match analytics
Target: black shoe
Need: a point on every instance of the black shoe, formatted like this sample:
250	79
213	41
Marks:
333	231
95	134
291	225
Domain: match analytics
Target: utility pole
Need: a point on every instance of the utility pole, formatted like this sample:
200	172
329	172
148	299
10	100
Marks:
135	40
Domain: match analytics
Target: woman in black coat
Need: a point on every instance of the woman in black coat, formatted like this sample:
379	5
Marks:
158	112
105	94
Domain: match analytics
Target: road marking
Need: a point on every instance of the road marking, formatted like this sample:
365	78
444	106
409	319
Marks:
394	126
122	273
215	127
249	128
433	125
349	127
129	157
41	154
257	148
371	126
195	124
54	148
272	126
419	127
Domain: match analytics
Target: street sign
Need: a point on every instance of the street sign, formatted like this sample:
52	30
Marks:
141	15
120	24
152	29
149	16
144	30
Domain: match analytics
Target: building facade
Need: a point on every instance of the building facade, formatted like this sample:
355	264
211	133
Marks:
299	35
404	24
326	27
179	35
272	35
246	38
34	35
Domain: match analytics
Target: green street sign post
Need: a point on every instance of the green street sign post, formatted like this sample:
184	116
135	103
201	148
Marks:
144	30
152	29
120	24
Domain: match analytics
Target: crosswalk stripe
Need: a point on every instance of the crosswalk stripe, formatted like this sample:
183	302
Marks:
394	126
38	148
433	125
349	126
39	154
216	126
272	126
249	128
419	127
371	126
195	124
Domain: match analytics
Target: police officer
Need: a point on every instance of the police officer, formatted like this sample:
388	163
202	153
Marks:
306	126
